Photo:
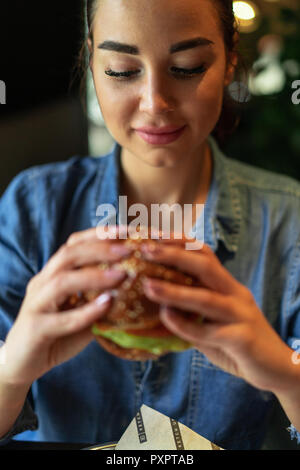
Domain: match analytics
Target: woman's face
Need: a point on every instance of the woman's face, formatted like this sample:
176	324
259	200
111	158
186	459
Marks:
160	87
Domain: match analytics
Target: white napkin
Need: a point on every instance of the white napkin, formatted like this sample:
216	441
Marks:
151	430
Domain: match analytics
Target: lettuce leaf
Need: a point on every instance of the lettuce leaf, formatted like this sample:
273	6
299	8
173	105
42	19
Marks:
153	345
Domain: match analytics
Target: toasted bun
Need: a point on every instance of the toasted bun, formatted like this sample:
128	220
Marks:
131	354
130	308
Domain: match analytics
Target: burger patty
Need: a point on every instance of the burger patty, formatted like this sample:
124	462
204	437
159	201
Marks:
130	354
130	308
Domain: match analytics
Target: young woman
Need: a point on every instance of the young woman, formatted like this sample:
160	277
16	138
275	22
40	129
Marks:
161	70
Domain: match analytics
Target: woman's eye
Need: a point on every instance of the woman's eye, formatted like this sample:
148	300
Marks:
178	72
186	73
126	74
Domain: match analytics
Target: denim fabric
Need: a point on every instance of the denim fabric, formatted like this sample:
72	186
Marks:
251	222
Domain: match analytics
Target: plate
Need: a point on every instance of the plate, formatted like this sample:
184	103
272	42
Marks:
107	446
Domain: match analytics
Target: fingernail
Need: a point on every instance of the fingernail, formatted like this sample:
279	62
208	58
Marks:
150	250
120	250
115	274
167	312
147	283
164	310
151	286
103	299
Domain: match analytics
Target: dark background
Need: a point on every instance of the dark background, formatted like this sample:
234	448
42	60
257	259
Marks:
269	132
43	120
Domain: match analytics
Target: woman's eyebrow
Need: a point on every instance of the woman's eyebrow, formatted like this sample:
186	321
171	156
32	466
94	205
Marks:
178	47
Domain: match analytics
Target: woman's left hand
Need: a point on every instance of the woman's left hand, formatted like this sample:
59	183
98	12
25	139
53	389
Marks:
234	334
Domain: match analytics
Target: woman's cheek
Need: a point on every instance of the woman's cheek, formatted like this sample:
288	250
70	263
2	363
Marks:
209	102
207	115
117	116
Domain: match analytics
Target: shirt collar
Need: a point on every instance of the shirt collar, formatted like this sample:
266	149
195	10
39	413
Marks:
223	202
222	214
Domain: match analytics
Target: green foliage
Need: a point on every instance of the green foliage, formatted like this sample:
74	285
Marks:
269	132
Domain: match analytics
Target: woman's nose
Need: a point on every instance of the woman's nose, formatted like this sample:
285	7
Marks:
156	97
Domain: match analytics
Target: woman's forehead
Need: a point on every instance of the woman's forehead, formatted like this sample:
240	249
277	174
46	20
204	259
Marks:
161	16
185	12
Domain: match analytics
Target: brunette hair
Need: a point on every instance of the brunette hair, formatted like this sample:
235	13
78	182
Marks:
229	117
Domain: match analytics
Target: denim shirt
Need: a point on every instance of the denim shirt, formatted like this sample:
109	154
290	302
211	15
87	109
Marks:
251	221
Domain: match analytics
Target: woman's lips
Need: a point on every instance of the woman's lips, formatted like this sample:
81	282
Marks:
160	139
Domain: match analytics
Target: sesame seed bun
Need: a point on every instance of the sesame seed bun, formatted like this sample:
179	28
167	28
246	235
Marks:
131	311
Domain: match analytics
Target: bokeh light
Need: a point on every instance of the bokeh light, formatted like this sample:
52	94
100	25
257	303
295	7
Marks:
247	16
244	10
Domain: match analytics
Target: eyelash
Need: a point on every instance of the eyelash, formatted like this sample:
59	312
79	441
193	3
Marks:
181	73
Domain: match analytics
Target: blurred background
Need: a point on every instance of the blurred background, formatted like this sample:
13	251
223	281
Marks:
43	119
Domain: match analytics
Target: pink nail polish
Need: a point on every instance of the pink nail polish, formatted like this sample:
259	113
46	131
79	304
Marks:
152	287
150	250
121	250
115	274
103	299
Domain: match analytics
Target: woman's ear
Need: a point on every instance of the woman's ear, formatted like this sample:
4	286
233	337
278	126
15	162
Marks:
232	60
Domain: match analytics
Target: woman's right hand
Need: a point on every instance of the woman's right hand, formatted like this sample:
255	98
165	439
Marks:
42	336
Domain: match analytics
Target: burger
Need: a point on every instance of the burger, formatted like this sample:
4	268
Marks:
131	329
